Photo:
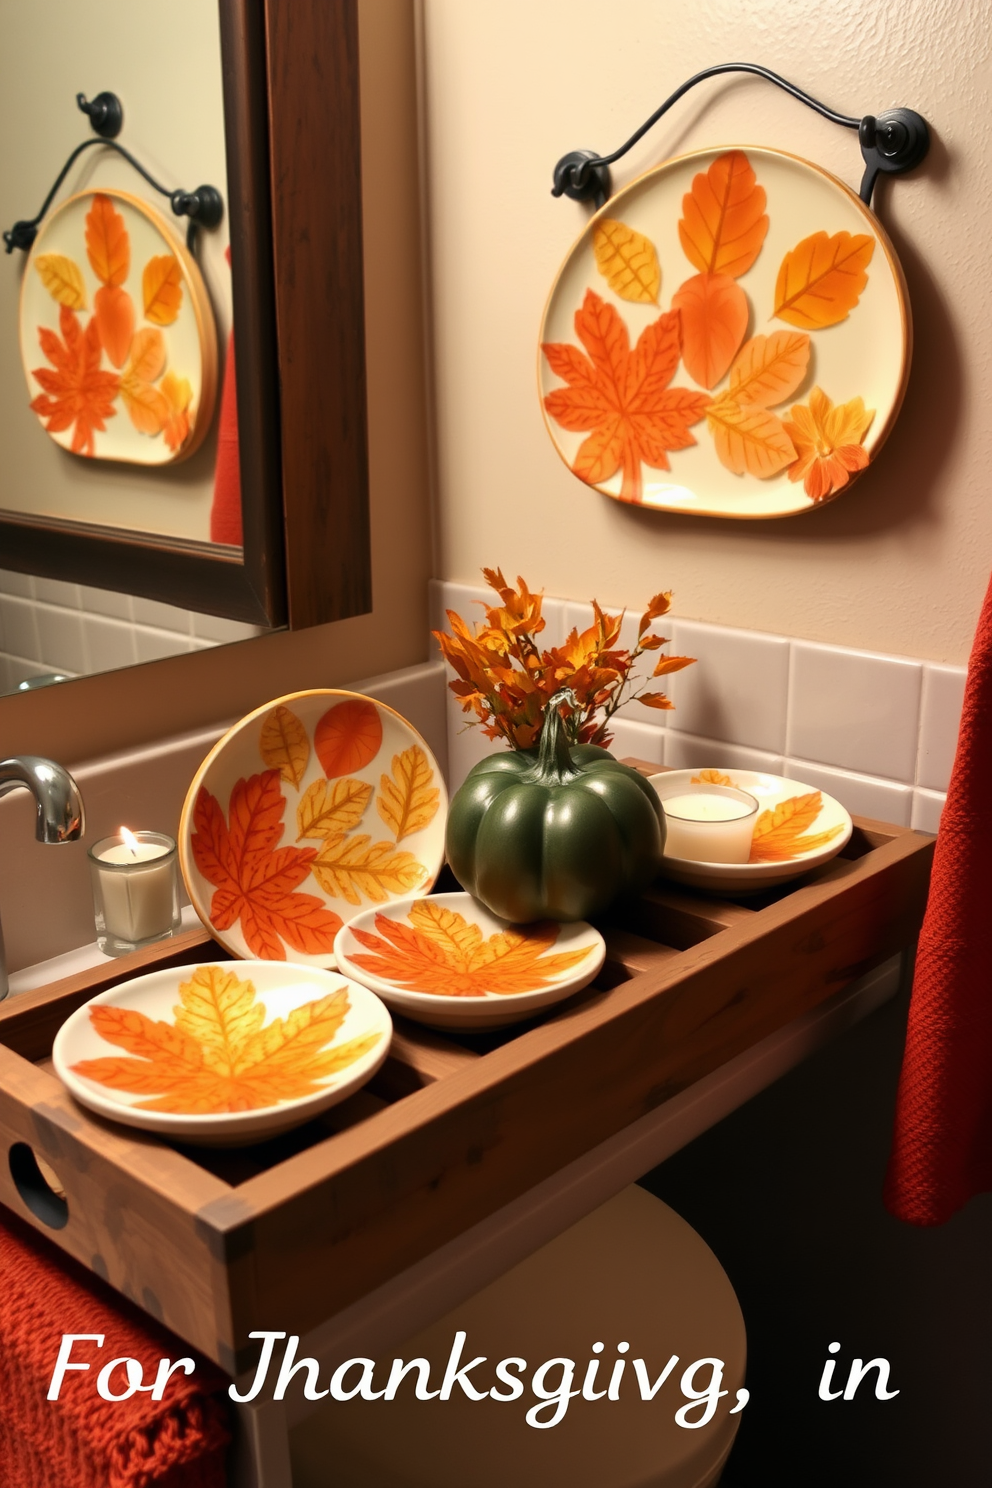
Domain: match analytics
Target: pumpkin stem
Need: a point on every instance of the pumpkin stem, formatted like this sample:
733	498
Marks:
554	759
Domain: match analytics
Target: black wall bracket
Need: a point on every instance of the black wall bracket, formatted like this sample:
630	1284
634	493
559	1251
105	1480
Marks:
891	142
204	207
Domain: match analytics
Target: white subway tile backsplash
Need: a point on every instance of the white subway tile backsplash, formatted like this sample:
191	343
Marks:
153	645
18	629
861	794
215	628
60	638
106	602
57	592
553	612
162	616
738	690
927	806
466	745
940	716
12	582
109	643
639	740
855	709
687	752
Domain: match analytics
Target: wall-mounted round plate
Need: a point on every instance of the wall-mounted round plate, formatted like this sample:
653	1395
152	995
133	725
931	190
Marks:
730	336
118	337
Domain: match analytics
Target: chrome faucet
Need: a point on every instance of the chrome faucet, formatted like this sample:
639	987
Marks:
60	809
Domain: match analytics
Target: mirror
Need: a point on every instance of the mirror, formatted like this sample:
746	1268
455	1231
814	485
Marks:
116	561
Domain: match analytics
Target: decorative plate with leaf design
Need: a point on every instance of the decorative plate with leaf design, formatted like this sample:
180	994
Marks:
798	828
308	810
224	1053
730	336
446	961
117	332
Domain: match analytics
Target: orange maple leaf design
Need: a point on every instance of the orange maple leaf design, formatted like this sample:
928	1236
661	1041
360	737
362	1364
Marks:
622	396
828	443
783	831
217	1056
255	880
441	952
712	777
77	395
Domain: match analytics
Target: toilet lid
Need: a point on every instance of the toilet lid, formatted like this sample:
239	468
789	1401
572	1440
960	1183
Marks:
632	1272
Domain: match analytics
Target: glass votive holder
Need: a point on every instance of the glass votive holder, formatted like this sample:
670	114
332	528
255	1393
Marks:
135	890
708	823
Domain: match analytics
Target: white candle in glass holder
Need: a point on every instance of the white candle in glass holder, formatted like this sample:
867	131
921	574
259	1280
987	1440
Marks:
135	879
710	824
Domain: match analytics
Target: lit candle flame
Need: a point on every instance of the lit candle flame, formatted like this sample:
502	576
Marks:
130	841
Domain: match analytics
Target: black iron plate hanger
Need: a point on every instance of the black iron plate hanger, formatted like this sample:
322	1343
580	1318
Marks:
204	207
891	142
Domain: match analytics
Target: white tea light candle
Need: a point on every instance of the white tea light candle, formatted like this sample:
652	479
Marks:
709	824
135	890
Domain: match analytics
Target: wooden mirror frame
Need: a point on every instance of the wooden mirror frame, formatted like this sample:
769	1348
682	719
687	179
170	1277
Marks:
293	139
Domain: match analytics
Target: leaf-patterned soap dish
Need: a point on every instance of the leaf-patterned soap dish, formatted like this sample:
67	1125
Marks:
224	1053
306	811
797	828
447	962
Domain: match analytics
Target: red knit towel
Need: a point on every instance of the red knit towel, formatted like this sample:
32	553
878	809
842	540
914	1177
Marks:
942	1150
81	1440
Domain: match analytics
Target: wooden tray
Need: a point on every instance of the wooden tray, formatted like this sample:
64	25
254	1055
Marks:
285	1234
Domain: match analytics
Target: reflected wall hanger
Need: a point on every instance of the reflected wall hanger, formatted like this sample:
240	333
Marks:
204	207
891	142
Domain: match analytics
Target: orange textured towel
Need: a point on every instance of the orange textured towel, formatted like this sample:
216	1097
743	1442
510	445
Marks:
942	1149
80	1440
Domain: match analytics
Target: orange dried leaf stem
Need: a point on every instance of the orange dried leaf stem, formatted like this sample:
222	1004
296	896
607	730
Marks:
506	679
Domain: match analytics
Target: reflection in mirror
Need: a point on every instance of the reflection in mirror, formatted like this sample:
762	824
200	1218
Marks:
156	452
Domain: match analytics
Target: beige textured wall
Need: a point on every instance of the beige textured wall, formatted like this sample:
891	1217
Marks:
93	716
901	561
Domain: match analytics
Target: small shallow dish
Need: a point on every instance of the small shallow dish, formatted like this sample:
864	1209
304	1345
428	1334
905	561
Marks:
224	1053
447	962
798	828
306	811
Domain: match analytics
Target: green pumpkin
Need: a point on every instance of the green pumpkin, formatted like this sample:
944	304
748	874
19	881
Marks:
554	832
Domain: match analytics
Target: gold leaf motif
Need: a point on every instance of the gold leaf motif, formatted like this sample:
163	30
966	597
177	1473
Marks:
63	279
408	801
285	745
217	1056
329	808
442	953
627	261
749	439
712	777
162	289
347	868
768	369
783	831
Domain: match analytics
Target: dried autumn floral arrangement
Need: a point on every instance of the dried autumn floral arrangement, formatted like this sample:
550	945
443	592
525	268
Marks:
506	679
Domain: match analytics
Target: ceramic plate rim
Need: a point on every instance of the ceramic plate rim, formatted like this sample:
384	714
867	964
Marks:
185	836
757	871
176	1123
